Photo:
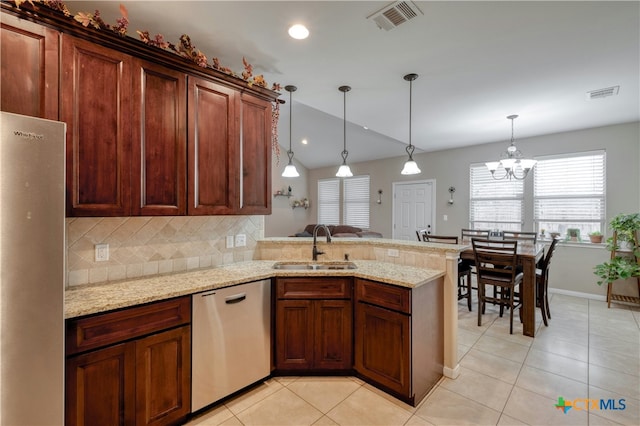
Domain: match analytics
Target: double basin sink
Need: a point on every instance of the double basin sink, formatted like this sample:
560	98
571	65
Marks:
314	266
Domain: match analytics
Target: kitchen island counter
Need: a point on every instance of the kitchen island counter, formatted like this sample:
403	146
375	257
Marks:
95	298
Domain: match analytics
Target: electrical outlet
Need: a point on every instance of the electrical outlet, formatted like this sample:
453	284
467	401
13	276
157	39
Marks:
229	241
445	217
393	253
101	252
241	240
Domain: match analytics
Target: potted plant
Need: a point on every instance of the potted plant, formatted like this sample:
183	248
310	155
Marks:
625	225
619	268
622	265
595	237
573	234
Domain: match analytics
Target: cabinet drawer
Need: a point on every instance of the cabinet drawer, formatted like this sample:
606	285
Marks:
100	330
313	288
384	295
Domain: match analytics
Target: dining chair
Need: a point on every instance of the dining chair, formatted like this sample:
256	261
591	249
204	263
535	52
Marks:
468	234
531	237
420	233
496	266
542	282
464	269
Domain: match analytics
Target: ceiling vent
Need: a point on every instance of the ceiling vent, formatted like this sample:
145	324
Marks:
395	14
603	93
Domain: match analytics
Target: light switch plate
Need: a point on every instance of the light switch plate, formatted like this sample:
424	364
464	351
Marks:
241	240
101	252
229	241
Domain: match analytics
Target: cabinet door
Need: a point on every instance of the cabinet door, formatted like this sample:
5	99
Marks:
163	377
100	387
159	141
294	335
29	68
382	347
96	105
255	142
213	148
333	335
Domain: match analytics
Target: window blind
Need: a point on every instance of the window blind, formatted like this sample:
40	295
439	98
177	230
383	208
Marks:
329	201
569	192
356	202
494	204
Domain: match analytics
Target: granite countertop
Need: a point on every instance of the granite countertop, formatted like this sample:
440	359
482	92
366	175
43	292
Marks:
94	298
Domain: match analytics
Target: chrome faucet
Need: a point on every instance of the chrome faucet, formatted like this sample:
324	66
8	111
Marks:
315	251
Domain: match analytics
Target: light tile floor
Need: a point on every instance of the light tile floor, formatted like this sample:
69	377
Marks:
588	352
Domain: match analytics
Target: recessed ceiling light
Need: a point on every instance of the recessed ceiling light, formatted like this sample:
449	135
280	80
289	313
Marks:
365	127
304	141
299	32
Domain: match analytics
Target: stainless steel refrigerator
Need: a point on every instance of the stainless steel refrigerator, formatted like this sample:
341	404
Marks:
32	270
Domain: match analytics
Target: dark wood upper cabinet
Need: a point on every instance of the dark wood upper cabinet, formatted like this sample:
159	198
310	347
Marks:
213	148
148	132
29	66
159	141
256	155
96	105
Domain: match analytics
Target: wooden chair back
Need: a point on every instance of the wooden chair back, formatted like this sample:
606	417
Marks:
444	239
468	234
520	236
546	261
495	261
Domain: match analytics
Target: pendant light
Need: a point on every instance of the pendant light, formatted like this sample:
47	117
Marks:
410	166
512	162
290	170
344	170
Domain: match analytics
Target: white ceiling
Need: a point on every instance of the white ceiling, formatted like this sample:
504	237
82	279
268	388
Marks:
477	63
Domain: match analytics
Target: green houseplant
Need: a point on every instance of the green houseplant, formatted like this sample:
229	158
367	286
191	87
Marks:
626	225
623	266
596	237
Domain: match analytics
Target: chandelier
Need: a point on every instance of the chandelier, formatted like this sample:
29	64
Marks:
511	164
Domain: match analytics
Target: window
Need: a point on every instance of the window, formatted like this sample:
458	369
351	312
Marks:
329	201
569	193
355	210
494	204
355	201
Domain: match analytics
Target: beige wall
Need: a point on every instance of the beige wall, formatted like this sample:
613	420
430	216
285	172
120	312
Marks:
573	268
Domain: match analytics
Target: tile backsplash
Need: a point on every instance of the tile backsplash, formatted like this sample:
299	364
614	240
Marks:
144	246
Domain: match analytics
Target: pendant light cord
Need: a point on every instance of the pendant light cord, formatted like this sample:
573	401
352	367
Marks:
410	78
345	153
290	89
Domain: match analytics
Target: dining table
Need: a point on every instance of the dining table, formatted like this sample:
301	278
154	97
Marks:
528	255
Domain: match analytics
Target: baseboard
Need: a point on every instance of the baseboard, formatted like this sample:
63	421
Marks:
451	373
591	296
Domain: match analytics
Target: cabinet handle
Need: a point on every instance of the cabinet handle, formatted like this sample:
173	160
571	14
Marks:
235	298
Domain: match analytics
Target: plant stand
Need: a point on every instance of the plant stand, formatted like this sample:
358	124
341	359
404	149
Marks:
621	297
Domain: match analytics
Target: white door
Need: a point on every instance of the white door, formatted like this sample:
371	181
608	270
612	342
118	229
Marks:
413	205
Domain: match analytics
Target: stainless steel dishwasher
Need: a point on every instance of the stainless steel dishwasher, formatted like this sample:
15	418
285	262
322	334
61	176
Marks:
231	342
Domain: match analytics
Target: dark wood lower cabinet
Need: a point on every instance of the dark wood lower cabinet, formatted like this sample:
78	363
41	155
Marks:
142	380
100	386
383	347
314	325
399	337
163	377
